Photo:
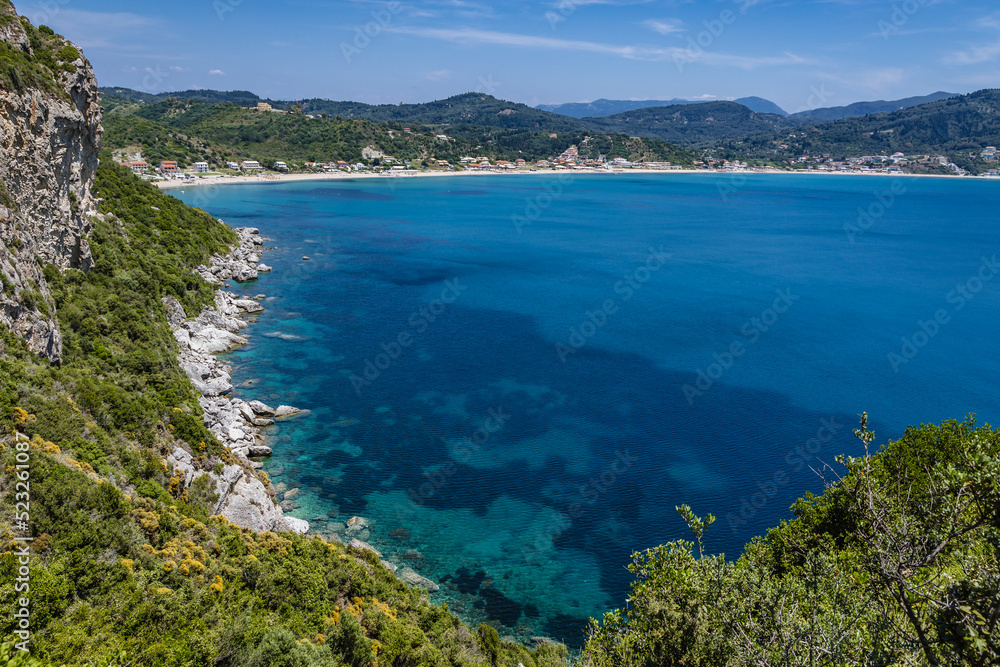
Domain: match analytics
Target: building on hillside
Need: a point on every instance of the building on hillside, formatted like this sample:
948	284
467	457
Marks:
233	165
200	167
168	166
990	153
264	106
138	166
280	166
250	166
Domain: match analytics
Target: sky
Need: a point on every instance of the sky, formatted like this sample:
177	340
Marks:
801	54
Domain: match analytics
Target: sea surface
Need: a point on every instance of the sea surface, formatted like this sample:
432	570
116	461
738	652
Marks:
517	379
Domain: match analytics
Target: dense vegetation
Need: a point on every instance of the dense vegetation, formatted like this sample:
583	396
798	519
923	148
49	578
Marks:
188	130
702	125
956	127
898	563
128	567
50	55
865	108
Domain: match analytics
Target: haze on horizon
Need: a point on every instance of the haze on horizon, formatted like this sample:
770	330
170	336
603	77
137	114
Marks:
800	55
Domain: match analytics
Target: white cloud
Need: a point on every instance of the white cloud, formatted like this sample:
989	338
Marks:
974	56
664	26
474	37
216	72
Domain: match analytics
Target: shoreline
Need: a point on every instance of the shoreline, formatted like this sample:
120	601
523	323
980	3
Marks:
341	176
243	498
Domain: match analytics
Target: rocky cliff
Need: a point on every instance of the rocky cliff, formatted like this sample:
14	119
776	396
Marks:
50	131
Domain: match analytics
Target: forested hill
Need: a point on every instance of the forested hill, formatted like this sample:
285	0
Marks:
189	130
865	108
957	127
694	125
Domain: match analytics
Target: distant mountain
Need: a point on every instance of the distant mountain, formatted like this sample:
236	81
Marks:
865	108
601	108
183	128
760	105
701	125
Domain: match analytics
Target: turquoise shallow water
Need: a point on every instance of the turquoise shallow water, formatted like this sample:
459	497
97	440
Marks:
516	379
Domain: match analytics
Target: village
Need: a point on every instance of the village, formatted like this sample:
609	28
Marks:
570	160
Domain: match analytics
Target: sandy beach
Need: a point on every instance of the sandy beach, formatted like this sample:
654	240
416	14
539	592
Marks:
342	176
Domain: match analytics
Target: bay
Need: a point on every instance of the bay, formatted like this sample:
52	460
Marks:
517	379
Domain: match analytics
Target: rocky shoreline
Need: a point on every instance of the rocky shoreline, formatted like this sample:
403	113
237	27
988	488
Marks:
242	496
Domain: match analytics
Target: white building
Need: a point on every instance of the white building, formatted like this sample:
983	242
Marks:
281	166
233	165
200	167
251	165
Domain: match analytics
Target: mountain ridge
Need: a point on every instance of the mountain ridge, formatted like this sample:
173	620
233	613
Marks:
605	107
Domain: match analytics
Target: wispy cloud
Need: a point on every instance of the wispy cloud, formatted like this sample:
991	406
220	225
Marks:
975	56
983	53
216	72
665	26
474	37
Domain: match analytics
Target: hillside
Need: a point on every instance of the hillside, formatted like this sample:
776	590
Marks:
190	130
865	108
602	107
141	545
693	125
956	127
897	563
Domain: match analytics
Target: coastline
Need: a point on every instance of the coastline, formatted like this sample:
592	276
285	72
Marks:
242	497
342	176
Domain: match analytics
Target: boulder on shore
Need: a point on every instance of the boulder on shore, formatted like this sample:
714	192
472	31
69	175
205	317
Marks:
261	409
285	411
358	544
408	575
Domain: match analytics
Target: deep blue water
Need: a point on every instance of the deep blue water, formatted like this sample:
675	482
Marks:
533	429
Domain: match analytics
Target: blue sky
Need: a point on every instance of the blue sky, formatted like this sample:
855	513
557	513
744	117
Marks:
801	54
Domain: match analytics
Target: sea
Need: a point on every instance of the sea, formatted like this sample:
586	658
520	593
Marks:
515	380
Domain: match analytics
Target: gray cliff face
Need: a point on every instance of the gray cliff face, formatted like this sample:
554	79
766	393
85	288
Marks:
49	146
